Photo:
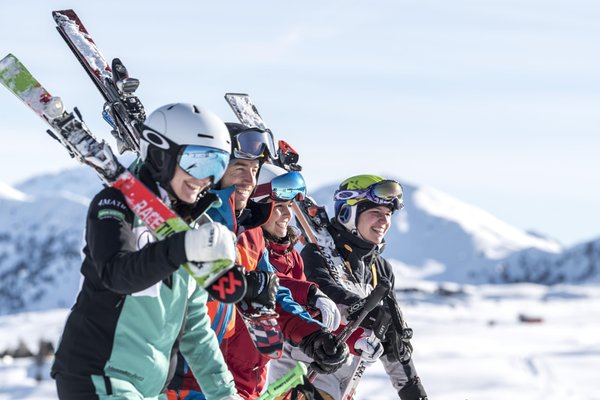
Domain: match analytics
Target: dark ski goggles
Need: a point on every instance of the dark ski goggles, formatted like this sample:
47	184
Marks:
384	192
286	187
252	144
202	162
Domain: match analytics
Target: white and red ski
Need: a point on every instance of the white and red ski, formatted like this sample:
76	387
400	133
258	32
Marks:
73	134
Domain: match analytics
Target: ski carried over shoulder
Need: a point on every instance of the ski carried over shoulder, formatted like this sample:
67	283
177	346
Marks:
313	222
245	110
248	115
69	129
122	109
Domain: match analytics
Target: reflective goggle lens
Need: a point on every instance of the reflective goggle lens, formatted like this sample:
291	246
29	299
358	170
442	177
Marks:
384	192
285	187
289	186
202	162
251	144
387	190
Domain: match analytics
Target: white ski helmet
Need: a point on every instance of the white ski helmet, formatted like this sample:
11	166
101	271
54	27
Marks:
174	130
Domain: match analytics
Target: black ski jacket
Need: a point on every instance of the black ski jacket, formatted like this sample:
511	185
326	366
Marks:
368	267
362	259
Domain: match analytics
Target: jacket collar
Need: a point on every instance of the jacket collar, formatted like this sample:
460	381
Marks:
348	243
278	248
253	216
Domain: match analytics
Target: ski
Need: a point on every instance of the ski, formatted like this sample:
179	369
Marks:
313	222
122	109
69	129
248	115
245	110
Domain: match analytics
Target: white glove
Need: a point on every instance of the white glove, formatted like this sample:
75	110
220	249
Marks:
330	315
210	242
370	347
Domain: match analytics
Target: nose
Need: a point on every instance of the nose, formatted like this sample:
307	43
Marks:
204	182
286	212
385	218
248	177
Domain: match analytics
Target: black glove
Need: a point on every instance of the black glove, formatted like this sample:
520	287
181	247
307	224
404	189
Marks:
308	390
395	348
261	288
378	320
321	347
413	390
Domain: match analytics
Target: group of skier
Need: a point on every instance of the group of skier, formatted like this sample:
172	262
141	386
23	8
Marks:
142	328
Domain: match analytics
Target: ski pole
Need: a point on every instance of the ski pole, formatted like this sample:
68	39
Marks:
366	305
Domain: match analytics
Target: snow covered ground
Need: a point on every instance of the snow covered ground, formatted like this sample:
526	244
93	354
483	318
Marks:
469	344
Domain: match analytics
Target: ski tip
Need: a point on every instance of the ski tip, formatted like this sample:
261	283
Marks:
7	57
235	94
64	12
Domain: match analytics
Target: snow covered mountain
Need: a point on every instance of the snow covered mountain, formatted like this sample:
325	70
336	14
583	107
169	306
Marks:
580	263
436	237
440	238
41	231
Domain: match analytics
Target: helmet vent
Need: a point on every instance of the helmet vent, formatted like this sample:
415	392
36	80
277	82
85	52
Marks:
206	136
171	107
196	110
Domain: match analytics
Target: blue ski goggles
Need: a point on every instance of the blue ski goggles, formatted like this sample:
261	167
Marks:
253	144
286	187
383	193
203	162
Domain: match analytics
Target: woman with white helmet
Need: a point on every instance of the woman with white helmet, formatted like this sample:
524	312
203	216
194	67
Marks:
136	306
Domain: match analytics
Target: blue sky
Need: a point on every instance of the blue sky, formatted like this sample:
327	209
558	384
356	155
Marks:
496	102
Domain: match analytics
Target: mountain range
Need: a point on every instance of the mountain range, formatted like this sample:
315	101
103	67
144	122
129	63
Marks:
435	237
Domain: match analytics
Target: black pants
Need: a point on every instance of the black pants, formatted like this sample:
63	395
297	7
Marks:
76	387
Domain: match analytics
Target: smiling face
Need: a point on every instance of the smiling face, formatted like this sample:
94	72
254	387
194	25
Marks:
186	187
373	224
242	175
281	216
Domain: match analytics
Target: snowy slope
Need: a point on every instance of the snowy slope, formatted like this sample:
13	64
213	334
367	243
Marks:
40	240
446	239
469	346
